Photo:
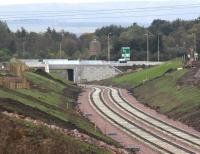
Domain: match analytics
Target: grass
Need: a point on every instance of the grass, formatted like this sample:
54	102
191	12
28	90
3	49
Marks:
49	97
44	82
137	78
159	88
166	94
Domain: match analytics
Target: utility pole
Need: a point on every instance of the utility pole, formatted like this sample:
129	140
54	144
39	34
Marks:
158	47
62	35
109	46
60	50
195	43
23	47
195	54
147	35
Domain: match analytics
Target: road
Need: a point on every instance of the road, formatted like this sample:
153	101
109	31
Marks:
152	134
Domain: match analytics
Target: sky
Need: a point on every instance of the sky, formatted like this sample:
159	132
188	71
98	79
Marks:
11	2
76	16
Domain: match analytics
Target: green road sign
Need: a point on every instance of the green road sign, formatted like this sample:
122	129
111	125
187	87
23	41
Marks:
126	53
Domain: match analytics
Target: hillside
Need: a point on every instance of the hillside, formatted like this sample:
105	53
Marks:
17	136
140	76
51	101
167	90
171	96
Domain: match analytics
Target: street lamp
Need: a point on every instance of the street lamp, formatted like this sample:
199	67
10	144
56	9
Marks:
148	35
62	35
109	34
158	47
195	42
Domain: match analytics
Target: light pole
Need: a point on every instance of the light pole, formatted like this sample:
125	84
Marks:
158	47
195	43
62	35
109	46
195	54
147	35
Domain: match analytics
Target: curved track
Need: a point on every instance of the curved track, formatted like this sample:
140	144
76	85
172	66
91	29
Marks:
157	142
186	137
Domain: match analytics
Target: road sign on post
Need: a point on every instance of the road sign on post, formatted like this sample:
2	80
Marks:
126	53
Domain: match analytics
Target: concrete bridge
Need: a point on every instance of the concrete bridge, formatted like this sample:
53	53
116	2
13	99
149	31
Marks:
81	71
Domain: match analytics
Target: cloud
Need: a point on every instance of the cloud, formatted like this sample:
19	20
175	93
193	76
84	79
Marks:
11	2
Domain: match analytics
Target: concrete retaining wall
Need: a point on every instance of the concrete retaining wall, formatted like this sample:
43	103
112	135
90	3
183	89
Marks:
86	73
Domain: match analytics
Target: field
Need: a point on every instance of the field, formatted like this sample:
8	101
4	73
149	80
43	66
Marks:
51	100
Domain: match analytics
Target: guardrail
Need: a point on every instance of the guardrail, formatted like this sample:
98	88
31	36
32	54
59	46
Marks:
87	62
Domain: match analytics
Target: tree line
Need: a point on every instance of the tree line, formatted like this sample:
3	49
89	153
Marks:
176	38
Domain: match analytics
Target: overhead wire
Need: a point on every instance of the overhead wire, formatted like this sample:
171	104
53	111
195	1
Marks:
86	13
80	15
117	9
110	17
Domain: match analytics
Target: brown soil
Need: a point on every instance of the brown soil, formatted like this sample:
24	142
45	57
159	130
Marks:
16	138
191	77
191	119
72	92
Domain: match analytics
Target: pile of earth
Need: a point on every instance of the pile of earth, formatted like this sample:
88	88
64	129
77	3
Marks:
192	77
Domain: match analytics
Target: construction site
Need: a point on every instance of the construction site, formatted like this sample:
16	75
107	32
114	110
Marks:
11	75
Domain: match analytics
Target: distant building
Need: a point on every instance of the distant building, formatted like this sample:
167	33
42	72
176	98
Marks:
95	47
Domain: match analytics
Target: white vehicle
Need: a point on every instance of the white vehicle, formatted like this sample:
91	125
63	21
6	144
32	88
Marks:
122	60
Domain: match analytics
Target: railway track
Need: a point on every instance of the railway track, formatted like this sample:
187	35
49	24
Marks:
192	140
134	130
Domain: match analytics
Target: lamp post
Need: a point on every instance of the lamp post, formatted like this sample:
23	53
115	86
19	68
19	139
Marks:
62	35
158	47
195	47
195	42
147	35
109	34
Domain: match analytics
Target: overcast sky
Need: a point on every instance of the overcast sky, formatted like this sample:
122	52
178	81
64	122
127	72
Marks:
9	2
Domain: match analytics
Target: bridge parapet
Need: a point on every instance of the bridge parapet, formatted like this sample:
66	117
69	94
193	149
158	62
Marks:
84	70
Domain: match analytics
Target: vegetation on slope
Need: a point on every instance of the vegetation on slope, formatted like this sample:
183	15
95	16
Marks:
163	88
171	97
50	100
134	79
17	136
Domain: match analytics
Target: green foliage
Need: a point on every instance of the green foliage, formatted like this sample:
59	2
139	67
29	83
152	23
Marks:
176	38
136	78
5	55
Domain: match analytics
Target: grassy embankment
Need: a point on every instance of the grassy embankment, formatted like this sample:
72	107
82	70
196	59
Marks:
18	136
51	100
136	78
165	93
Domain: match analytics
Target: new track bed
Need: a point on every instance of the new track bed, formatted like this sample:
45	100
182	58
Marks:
134	130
